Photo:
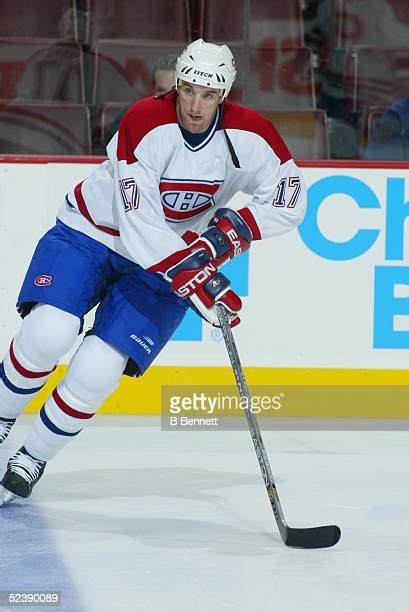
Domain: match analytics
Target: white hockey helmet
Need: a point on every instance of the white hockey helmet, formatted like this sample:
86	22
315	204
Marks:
207	64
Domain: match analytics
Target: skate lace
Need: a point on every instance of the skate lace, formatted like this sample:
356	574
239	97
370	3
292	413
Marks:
25	466
5	427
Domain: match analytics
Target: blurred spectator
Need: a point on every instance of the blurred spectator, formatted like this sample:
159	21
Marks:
54	72
330	85
390	137
67	27
163	80
163	75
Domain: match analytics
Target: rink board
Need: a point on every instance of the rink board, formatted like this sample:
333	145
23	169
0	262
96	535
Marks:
326	304
366	394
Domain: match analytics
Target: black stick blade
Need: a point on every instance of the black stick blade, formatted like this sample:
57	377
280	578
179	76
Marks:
313	537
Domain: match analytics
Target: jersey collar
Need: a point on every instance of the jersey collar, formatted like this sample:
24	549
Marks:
195	142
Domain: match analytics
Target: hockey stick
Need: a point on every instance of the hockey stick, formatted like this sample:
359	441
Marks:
310	537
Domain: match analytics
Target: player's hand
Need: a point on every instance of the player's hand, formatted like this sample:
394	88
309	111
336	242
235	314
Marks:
194	277
217	291
197	279
227	236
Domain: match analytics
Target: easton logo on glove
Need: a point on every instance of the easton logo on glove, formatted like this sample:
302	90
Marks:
195	278
196	281
235	242
227	236
191	273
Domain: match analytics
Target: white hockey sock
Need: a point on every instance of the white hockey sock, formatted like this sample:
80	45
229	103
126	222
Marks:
46	334
94	373
20	381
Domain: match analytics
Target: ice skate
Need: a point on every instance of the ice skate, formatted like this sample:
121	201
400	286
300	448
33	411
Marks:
23	471
5	427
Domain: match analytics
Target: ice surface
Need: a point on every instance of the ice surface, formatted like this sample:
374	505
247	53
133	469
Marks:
130	518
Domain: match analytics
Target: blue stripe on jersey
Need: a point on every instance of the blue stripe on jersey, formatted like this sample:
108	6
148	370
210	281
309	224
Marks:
69	203
187	181
199	148
196	141
50	425
12	387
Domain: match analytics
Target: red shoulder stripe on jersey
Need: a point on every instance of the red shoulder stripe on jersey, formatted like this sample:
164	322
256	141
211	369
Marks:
238	117
251	222
22	370
82	207
142	118
64	407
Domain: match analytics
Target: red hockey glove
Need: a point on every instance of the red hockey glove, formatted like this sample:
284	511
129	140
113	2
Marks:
227	236
217	291
194	276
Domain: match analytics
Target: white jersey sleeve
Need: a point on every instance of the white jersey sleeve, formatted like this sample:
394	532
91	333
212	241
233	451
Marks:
275	183
277	205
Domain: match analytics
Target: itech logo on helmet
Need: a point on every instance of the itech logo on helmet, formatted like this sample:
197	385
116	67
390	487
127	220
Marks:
208	75
43	280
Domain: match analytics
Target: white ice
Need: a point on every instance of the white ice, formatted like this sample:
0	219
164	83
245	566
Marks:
130	518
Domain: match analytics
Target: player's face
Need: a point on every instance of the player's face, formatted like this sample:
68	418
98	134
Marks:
196	106
164	81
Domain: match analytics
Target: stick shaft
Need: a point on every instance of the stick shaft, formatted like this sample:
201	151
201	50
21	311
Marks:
251	420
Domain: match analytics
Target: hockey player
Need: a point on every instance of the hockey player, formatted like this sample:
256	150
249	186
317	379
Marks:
143	237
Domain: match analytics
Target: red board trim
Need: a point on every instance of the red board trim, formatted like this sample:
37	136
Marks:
97	159
51	159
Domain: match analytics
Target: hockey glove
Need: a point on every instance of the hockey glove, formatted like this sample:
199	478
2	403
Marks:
194	276
227	236
217	291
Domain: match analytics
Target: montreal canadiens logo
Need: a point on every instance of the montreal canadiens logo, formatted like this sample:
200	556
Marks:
184	199
43	280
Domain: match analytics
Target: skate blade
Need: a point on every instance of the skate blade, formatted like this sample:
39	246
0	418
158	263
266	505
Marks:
7	496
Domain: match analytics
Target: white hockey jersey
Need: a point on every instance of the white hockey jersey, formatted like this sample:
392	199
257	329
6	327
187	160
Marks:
155	185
